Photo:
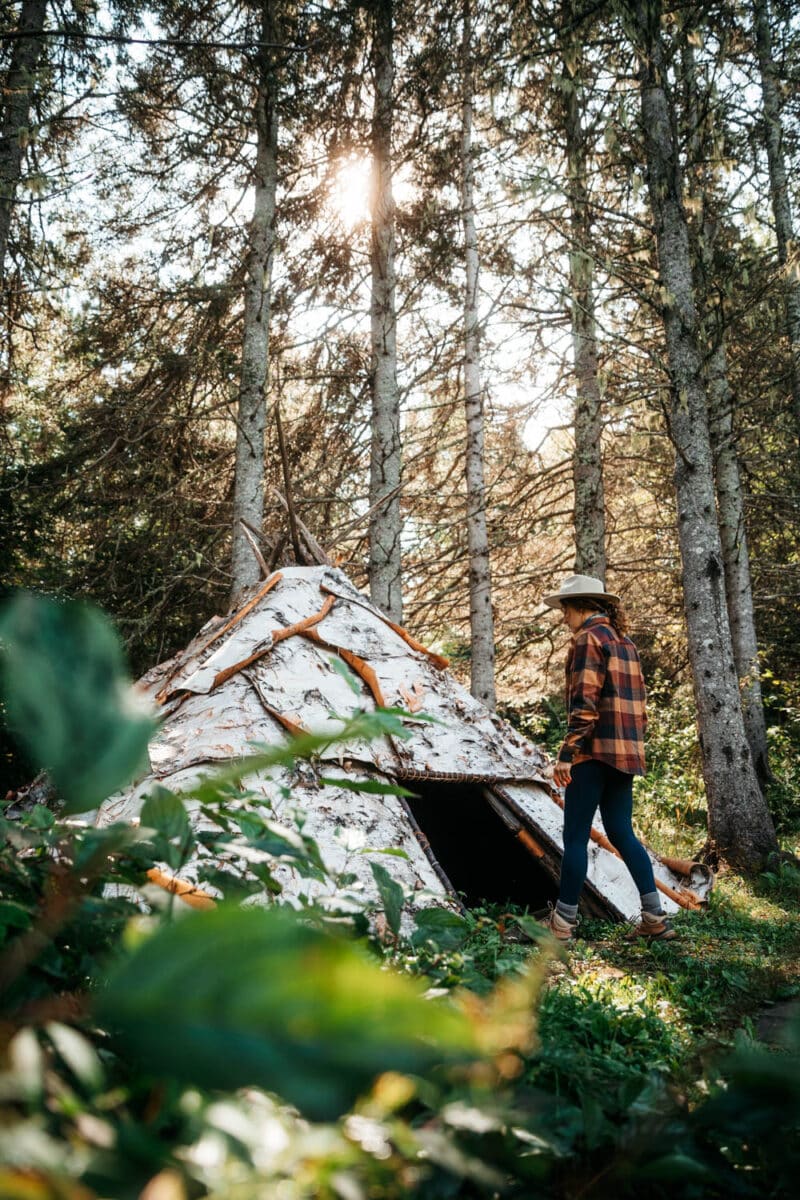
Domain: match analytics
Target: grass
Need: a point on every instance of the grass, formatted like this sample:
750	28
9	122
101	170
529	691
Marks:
615	1008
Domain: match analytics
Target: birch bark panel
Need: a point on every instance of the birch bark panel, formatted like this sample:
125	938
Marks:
740	826
480	581
248	494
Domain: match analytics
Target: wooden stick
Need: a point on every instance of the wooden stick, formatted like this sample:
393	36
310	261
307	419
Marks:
361	668
165	692
189	893
278	635
438	660
242	612
530	843
287	483
314	548
259	557
342	530
276	553
307	623
291	726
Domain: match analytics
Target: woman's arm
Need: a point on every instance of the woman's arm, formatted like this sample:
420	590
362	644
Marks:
587	676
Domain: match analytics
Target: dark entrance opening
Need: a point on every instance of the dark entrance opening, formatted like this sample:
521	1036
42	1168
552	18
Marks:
483	860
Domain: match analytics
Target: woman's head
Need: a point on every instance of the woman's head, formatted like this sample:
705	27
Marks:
581	595
578	608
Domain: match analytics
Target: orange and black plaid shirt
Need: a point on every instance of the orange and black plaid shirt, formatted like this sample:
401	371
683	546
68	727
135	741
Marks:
605	699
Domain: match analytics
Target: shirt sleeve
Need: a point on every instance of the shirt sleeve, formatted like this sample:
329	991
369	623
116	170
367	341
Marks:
585	685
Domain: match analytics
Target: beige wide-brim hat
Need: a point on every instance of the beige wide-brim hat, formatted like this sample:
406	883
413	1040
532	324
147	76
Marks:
579	587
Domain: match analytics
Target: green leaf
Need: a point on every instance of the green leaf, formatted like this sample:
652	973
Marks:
14	915
372	786
341	668
68	697
166	813
394	851
391	895
78	1053
239	997
445	929
41	817
678	1168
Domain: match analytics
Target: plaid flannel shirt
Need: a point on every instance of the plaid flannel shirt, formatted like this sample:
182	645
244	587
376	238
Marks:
605	699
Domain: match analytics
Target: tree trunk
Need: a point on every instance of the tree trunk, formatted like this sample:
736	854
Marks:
386	456
736	558
781	206
248	495
16	112
587	470
480	580
730	496
740	827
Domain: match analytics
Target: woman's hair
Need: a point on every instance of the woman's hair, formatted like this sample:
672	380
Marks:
612	608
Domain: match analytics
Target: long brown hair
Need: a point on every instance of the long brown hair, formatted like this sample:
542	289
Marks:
612	609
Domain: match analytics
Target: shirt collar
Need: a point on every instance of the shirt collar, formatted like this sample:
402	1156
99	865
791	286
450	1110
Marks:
595	618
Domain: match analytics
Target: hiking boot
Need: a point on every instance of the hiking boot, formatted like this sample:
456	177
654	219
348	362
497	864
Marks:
653	929
561	929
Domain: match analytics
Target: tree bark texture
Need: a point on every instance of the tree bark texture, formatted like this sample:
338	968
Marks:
16	112
740	826
386	455
721	402
248	495
736	557
788	254
480	581
587	468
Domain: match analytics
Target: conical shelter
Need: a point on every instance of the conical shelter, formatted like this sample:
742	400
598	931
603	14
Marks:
483	823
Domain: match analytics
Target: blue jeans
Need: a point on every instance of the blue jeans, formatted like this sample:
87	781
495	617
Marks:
596	784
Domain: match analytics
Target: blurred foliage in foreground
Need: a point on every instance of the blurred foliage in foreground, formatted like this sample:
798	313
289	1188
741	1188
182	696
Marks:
153	1051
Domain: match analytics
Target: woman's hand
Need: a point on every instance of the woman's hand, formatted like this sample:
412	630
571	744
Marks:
562	774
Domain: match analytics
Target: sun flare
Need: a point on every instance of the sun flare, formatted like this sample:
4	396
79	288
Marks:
349	193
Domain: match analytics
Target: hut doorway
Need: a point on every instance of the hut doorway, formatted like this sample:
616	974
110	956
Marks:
480	856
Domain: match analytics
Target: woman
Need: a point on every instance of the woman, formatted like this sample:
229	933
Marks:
602	751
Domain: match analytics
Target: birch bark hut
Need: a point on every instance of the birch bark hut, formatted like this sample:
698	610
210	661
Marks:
721	401
481	618
16	111
740	826
587	468
386	453
788	253
248	491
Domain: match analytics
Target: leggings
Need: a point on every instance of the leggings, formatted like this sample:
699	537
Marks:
595	783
